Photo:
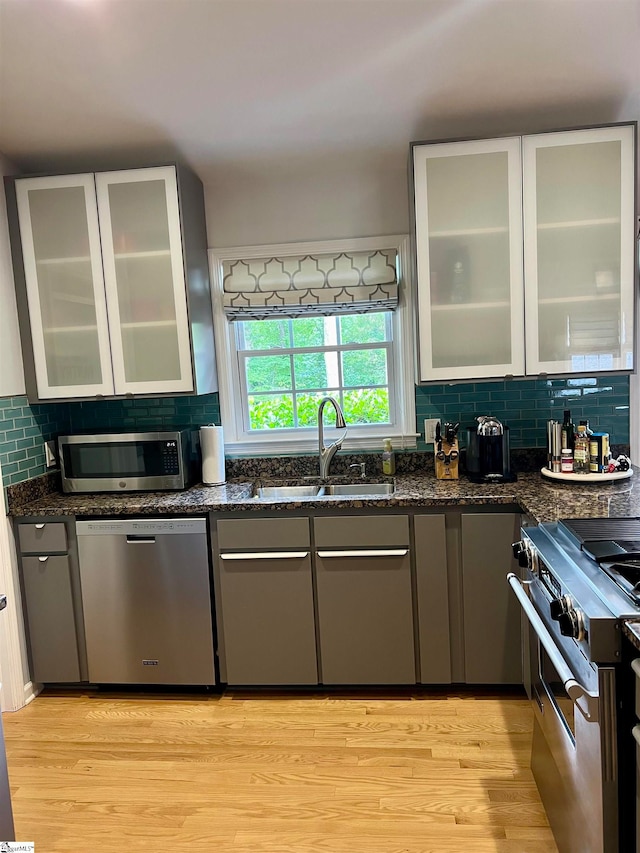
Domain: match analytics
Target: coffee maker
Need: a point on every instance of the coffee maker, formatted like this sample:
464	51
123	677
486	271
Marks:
488	454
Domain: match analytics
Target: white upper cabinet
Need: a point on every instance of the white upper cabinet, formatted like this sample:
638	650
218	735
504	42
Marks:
144	280
114	268
64	286
468	212
579	250
559	279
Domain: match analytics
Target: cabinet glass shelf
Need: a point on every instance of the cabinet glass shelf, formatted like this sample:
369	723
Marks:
468	306
154	253
79	259
470	232
578	223
562	300
148	324
55	330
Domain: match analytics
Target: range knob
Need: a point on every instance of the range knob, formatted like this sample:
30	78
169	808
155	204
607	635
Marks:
571	624
522	554
559	606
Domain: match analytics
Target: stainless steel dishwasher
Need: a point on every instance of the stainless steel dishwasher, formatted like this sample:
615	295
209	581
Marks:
146	600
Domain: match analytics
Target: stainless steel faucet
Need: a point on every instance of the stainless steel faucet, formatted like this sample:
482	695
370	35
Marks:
327	453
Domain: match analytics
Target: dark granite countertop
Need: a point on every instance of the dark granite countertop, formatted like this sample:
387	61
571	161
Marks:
542	500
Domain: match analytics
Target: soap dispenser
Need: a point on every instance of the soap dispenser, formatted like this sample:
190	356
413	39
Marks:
388	458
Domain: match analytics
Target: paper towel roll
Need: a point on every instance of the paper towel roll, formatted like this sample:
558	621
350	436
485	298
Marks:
212	448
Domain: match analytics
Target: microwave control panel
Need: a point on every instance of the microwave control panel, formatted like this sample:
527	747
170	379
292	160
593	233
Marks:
170	458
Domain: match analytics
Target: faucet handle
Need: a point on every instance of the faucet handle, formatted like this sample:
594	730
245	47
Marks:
362	466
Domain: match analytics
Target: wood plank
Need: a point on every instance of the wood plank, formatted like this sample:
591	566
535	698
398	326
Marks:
285	772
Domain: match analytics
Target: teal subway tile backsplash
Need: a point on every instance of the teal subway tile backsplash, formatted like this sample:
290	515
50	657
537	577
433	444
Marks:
24	429
525	405
167	412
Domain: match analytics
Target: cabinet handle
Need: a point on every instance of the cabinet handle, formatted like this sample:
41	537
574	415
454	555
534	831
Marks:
41	526
43	559
381	552
266	555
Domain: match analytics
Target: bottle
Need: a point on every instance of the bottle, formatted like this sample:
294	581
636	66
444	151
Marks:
588	429
568	439
459	284
459	267
568	431
388	458
581	451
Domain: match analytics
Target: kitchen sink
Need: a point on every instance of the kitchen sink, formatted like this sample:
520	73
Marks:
316	490
278	492
372	489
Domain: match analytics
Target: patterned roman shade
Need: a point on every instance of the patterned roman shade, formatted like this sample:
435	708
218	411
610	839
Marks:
297	286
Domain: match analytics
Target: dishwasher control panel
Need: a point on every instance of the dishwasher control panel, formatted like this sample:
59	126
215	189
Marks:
141	526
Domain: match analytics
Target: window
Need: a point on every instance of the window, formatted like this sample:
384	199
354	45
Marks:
275	370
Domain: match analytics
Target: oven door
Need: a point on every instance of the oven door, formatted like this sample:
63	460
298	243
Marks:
573	757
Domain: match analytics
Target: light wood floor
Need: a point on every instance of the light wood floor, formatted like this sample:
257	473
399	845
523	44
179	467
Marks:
275	774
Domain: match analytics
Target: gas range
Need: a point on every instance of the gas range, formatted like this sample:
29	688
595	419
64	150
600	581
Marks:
575	589
586	568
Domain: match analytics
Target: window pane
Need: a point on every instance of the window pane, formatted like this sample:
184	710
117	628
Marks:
307	405
363	328
271	411
309	331
266	334
268	373
316	370
364	367
366	406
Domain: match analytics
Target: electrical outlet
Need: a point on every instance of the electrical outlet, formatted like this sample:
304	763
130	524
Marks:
430	425
50	456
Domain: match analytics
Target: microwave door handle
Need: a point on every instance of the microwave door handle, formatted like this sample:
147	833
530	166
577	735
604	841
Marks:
578	694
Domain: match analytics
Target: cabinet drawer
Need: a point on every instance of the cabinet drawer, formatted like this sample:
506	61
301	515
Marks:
42	537
363	531
252	534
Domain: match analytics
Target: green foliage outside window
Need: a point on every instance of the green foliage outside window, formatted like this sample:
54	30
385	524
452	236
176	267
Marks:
284	389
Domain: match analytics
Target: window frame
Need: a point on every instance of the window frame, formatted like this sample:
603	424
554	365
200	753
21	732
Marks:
302	440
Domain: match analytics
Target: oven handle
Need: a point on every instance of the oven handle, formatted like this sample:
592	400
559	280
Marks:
576	692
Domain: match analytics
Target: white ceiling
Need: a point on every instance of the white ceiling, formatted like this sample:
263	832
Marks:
233	81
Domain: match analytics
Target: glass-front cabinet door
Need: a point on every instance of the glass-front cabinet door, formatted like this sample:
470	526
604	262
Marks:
64	283
468	212
145	280
579	250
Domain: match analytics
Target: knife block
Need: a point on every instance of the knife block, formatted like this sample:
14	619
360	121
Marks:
446	467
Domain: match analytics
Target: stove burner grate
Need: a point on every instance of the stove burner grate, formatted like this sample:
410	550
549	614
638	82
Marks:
601	529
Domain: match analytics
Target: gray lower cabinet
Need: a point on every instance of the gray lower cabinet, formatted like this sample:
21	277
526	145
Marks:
365	611
492	638
432	591
51	600
265	602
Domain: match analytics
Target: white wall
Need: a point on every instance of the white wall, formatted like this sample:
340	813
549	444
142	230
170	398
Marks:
14	670
312	196
11	372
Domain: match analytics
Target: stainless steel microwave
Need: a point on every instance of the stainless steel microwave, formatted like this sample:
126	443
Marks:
125	461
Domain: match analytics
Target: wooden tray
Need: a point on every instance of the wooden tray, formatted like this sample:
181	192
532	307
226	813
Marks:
586	479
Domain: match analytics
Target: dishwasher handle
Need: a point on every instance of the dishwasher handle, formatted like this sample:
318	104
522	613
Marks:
134	539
